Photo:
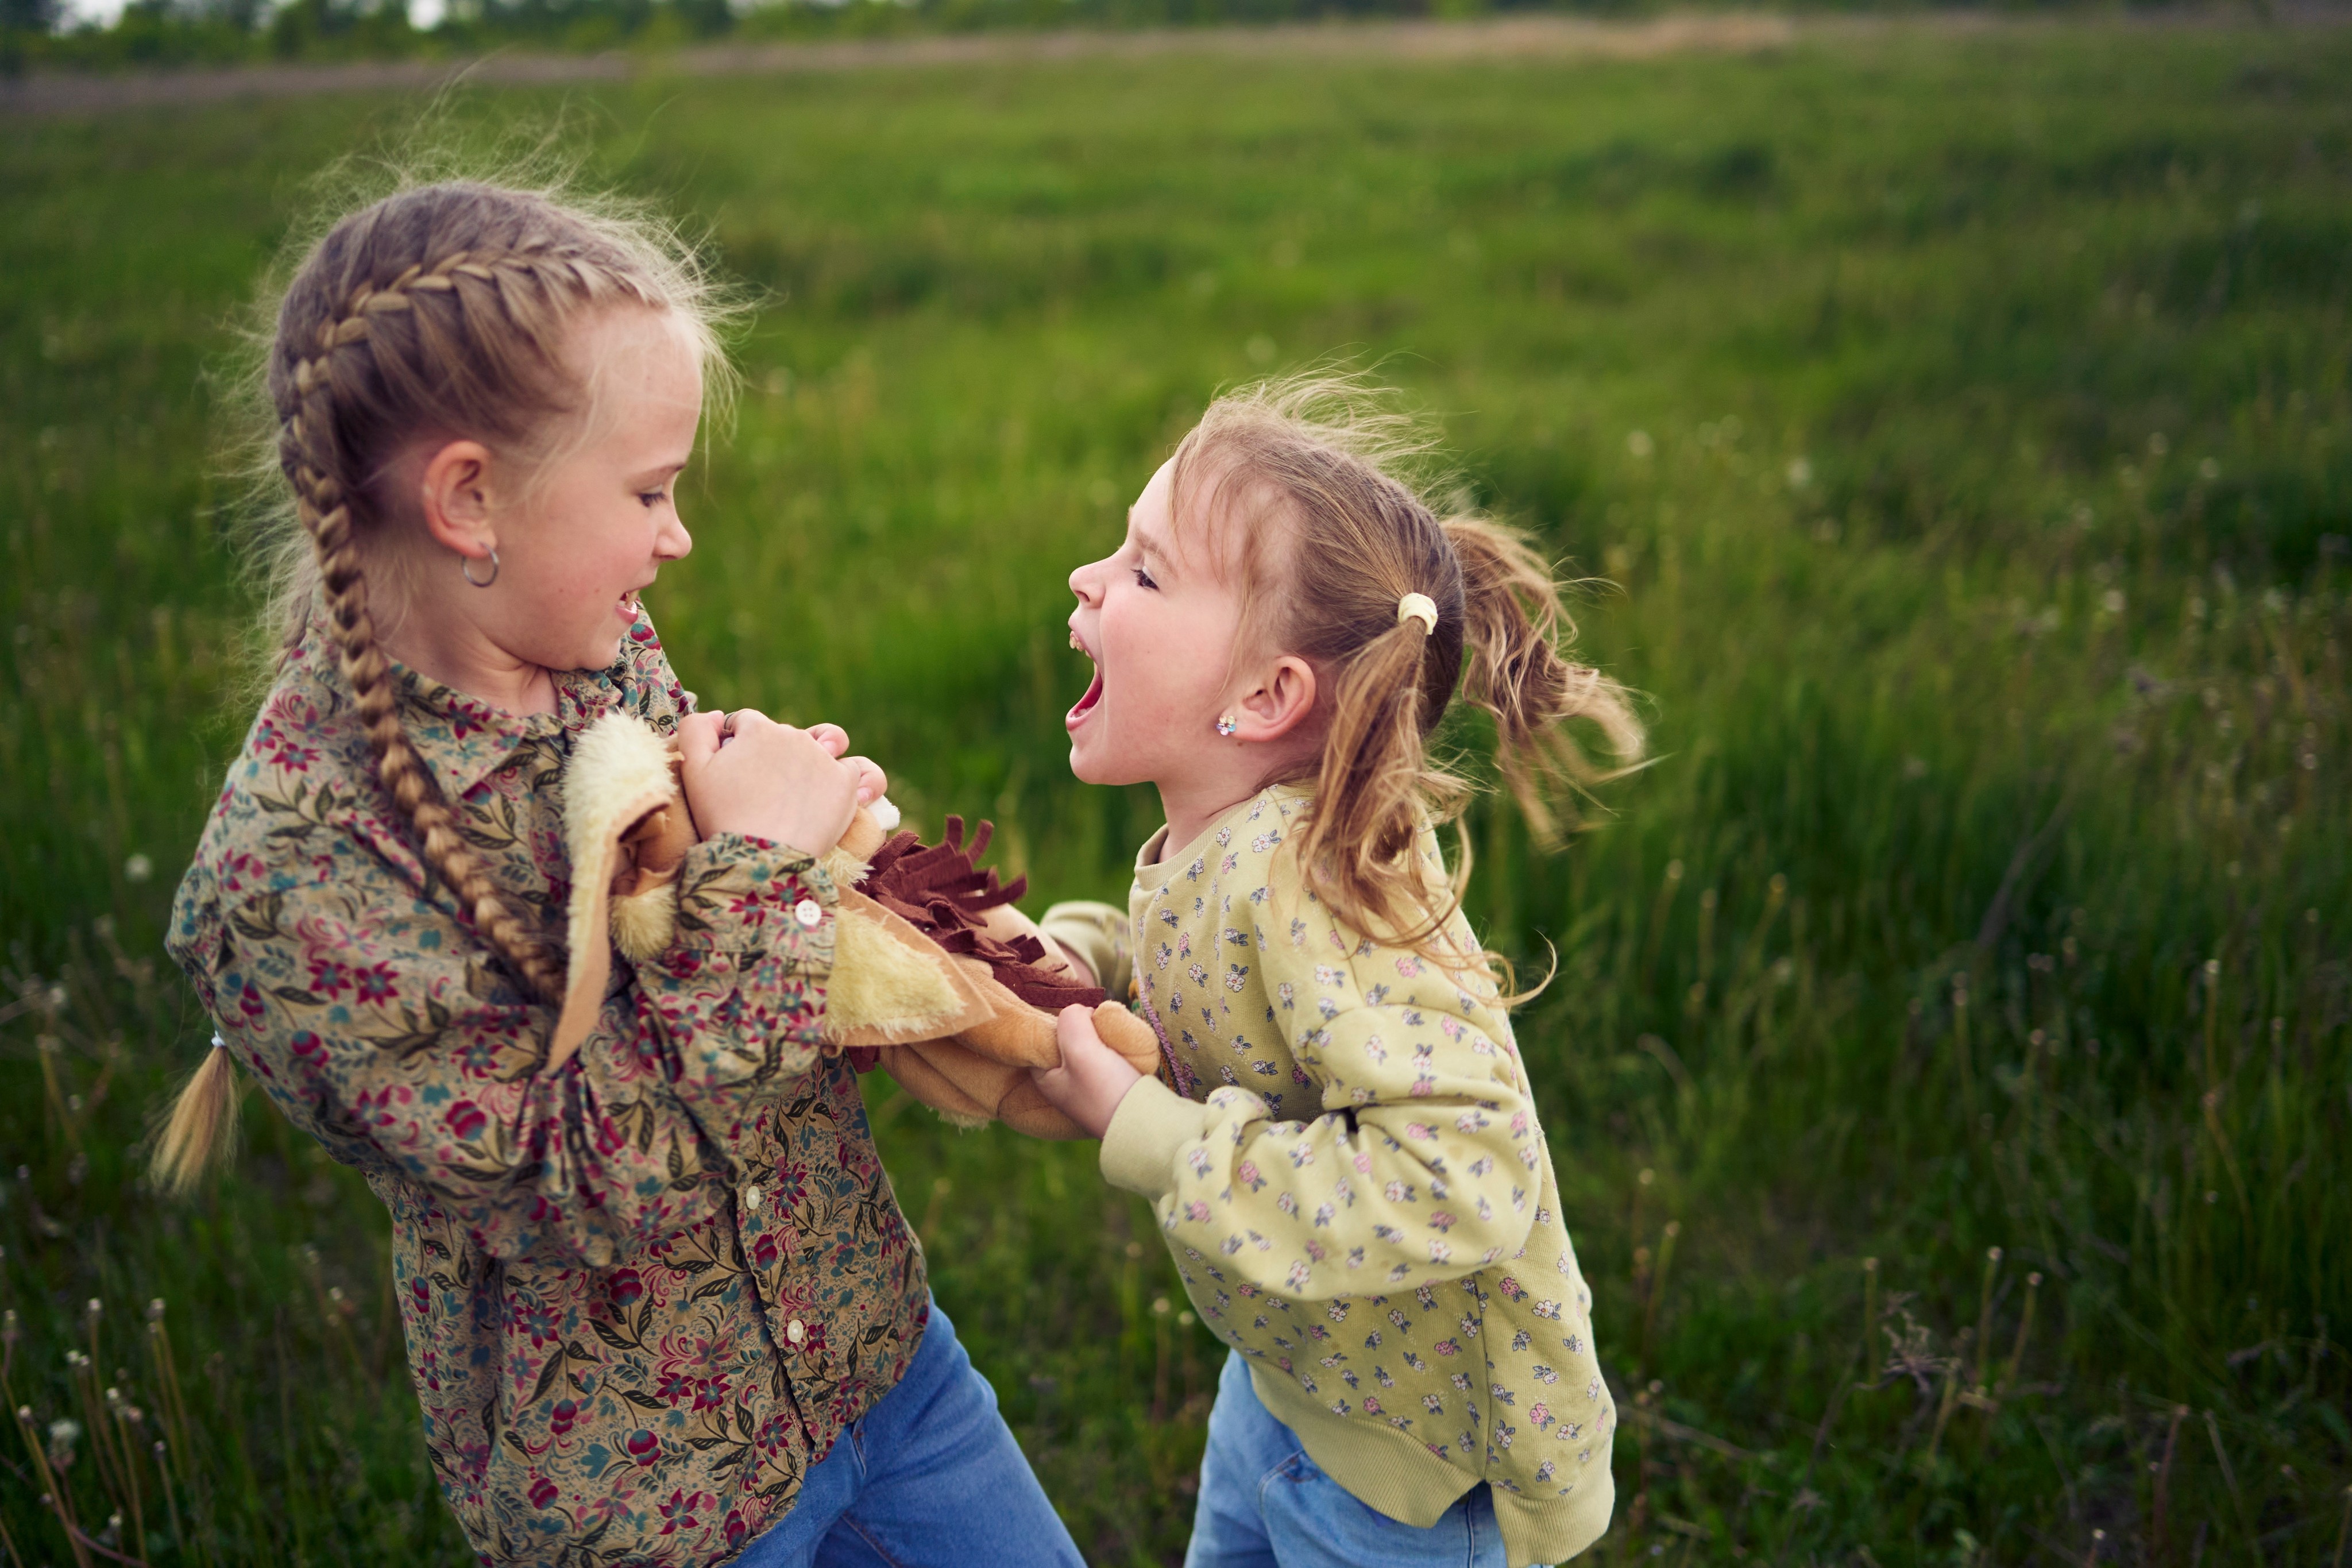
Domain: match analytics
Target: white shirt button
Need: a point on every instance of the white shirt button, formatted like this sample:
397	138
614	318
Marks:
752	1195
809	912
794	1331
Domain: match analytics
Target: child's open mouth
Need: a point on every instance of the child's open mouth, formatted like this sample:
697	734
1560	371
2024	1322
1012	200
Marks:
627	606
1085	705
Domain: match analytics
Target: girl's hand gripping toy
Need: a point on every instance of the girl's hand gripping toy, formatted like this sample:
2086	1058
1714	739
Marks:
935	973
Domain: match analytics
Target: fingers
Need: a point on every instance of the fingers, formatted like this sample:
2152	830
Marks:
698	737
832	737
1074	1027
872	784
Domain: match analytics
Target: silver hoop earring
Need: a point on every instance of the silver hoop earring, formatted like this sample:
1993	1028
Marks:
466	570
1226	726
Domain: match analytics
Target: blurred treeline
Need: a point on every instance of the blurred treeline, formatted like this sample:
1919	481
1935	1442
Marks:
38	34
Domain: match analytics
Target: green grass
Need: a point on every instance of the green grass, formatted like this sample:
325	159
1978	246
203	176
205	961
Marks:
1982	554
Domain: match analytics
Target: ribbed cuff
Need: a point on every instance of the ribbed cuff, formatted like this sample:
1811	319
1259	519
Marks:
1147	1130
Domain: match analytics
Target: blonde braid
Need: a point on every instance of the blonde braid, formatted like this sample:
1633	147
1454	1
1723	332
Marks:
307	453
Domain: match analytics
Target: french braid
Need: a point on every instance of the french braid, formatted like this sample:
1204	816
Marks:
440	308
306	454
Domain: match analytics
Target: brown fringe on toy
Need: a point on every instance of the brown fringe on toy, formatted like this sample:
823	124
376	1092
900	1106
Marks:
942	893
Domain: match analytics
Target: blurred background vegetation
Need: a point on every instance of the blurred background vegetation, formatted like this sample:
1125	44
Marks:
1948	1066
111	33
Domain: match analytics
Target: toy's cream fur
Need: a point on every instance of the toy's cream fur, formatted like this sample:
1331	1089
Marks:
962	1042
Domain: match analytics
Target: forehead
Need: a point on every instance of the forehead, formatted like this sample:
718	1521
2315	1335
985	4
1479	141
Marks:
1222	514
635	360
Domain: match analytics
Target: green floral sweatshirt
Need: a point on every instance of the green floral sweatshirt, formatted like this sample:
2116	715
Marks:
1349	1173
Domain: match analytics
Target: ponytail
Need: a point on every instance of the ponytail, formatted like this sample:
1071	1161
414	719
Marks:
1394	609
201	1126
1515	674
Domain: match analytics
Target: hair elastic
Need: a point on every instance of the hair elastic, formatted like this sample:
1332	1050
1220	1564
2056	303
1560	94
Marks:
1419	608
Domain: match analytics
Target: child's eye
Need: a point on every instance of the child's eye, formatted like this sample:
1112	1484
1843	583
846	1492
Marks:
1143	579
654	498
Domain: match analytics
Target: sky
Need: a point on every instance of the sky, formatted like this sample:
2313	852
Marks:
420	13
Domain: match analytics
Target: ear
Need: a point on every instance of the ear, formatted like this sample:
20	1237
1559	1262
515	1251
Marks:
1279	704
455	494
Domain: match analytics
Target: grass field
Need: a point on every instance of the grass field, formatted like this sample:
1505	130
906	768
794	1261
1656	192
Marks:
1949	1067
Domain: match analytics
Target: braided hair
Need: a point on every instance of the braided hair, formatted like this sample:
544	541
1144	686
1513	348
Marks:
442	308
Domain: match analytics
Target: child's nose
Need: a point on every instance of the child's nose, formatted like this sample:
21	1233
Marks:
1082	583
675	542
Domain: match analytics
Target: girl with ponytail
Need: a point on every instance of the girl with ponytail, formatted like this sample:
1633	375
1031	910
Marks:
479	401
1342	1145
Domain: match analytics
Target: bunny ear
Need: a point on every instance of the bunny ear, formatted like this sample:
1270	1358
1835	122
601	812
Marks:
619	774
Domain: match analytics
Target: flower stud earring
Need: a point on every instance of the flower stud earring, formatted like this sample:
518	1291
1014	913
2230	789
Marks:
1226	724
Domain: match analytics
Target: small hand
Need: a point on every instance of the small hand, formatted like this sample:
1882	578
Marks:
746	773
1092	1079
872	784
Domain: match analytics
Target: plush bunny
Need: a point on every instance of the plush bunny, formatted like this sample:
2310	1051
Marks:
935	973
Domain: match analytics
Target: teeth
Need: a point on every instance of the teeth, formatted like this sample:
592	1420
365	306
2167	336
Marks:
1076	644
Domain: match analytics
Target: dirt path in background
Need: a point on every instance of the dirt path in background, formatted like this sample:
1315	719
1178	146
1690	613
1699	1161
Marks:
1522	38
1516	37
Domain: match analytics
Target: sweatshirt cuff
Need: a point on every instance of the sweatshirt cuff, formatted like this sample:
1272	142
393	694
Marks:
1146	1133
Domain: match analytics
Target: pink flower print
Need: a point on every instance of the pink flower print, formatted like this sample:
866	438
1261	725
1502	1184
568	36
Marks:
1446	1347
560	1417
643	1446
1443	1221
1371	1405
1409	966
535	1317
329	978
1511	1287
678	1513
1439	1252
1540	1414
1197	1212
375	983
543	1491
378	1109
1247	1171
465	1120
1420	1132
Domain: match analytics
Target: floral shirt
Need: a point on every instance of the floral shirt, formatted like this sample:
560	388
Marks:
645	1291
1350	1176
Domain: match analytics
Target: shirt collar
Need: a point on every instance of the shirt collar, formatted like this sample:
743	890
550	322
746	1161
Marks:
462	740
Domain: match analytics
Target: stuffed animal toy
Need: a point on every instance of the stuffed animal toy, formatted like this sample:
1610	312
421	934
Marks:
936	975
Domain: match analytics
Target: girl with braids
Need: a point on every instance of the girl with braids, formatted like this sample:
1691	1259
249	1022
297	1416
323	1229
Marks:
660	1304
1342	1147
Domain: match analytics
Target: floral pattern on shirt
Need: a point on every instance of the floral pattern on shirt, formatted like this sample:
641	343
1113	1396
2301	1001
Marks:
1364	1202
645	1292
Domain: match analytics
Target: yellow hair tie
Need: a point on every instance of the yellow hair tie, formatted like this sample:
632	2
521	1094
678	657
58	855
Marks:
1419	608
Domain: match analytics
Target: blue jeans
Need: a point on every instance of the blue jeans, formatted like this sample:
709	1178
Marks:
1264	1504
929	1476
